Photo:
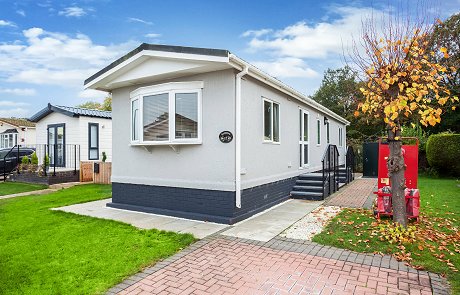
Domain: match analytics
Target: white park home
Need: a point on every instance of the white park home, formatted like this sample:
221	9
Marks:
202	134
16	131
77	134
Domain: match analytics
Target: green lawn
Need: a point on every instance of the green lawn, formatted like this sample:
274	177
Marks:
52	252
437	241
8	188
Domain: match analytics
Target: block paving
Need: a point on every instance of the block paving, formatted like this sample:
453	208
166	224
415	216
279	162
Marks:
354	195
227	265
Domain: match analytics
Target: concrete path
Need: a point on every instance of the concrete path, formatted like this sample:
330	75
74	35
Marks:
270	223
144	220
52	188
227	265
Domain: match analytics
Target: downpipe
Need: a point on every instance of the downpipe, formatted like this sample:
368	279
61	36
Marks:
238	136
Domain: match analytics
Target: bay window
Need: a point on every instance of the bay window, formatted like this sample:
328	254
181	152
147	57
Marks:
166	114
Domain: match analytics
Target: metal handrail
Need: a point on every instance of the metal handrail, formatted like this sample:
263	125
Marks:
71	157
330	163
350	164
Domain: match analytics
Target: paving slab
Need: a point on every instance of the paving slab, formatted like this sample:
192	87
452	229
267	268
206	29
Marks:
270	223
99	209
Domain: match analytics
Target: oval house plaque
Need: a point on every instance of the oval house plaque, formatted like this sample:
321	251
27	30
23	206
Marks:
226	136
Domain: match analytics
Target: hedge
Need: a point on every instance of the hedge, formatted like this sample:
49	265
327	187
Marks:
443	153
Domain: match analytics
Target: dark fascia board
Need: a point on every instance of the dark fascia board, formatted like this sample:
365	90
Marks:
165	48
48	110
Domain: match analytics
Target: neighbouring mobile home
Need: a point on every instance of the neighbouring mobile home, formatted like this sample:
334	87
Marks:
71	134
202	134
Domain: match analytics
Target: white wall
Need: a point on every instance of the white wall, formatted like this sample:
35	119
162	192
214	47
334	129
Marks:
209	165
105	137
25	137
268	162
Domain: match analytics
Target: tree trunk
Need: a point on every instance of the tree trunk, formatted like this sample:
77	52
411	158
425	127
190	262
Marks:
396	169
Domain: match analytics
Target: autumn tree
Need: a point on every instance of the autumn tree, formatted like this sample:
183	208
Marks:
401	82
447	34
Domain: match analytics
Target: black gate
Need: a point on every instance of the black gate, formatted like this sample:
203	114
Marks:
370	159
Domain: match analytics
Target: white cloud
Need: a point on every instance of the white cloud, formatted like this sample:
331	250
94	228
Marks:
16	112
9	103
287	67
92	94
256	33
21	12
138	20
73	11
5	23
18	91
152	35
55	58
13	109
313	40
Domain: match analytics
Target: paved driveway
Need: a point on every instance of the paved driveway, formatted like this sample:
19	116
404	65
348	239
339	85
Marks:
226	265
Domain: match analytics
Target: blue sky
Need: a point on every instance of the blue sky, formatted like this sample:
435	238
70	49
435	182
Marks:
47	48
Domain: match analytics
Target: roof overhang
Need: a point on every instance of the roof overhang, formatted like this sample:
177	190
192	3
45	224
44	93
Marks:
154	63
48	110
151	63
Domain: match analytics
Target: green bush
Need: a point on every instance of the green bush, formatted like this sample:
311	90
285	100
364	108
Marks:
25	160
34	159
443	153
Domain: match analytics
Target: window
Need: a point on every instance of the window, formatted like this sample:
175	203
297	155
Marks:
271	121
8	140
303	138
135	120
93	141
327	133
340	136
318	131
166	114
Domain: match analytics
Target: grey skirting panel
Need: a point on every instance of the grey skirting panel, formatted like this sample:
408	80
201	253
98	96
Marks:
199	204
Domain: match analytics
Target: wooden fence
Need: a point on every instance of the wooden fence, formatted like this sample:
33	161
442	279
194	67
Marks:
87	173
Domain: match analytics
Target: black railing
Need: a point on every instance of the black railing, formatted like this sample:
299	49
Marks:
51	158
350	163
330	170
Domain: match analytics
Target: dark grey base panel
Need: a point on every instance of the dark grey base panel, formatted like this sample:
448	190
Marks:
199	204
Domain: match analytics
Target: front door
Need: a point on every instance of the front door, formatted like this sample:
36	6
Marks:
56	144
303	138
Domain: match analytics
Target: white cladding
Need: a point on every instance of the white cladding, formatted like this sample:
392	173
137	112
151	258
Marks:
264	162
211	165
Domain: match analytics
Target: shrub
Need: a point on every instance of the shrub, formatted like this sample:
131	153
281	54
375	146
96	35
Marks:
104	156
25	160
443	151
34	159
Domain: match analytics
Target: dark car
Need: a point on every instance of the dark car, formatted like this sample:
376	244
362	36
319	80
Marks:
9	158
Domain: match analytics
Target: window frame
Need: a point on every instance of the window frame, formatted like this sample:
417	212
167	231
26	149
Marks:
171	89
6	136
340	136
89	141
272	122
318	132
